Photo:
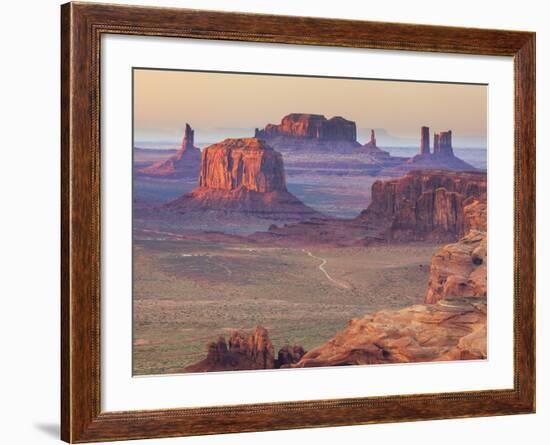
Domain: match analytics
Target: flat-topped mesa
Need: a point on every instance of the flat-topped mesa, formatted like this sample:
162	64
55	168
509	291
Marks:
246	162
184	163
425	204
313	126
244	176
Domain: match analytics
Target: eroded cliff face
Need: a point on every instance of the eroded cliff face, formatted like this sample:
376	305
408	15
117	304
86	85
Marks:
244	176
185	163
424	205
460	270
249	163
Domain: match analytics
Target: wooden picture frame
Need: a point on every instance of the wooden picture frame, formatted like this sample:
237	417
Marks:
82	25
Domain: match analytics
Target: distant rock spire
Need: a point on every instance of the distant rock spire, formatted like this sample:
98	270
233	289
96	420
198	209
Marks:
425	141
188	138
373	138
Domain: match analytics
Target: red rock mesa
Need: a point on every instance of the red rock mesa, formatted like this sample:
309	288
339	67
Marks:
311	126
243	176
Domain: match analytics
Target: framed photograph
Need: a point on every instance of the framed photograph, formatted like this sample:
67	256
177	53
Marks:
276	222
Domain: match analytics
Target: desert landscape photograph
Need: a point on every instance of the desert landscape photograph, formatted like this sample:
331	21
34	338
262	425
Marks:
288	221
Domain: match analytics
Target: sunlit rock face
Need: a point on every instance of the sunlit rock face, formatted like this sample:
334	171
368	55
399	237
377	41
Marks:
243	176
244	351
313	126
459	270
425	204
246	162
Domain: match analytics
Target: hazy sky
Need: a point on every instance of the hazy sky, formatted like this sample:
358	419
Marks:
219	105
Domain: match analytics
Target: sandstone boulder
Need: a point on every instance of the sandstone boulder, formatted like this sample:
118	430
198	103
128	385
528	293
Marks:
459	270
448	330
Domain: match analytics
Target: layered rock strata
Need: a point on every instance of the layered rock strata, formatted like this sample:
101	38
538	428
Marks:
448	330
243	176
425	205
460	270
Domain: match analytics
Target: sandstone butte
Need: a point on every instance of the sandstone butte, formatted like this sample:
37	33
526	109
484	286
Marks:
185	163
451	325
425	205
246	351
245	176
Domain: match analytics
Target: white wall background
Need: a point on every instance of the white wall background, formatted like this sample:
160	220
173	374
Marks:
29	222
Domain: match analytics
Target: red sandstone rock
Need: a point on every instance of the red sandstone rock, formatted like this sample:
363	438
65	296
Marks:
289	355
302	131
315	126
475	215
241	352
460	269
448	330
247	162
185	163
424	204
243	176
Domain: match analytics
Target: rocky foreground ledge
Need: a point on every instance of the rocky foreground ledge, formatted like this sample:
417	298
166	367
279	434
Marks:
448	330
453	329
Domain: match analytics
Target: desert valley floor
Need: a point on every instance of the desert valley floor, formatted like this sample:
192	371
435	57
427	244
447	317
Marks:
188	290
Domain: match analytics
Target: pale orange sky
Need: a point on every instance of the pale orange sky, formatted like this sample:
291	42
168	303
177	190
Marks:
221	105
